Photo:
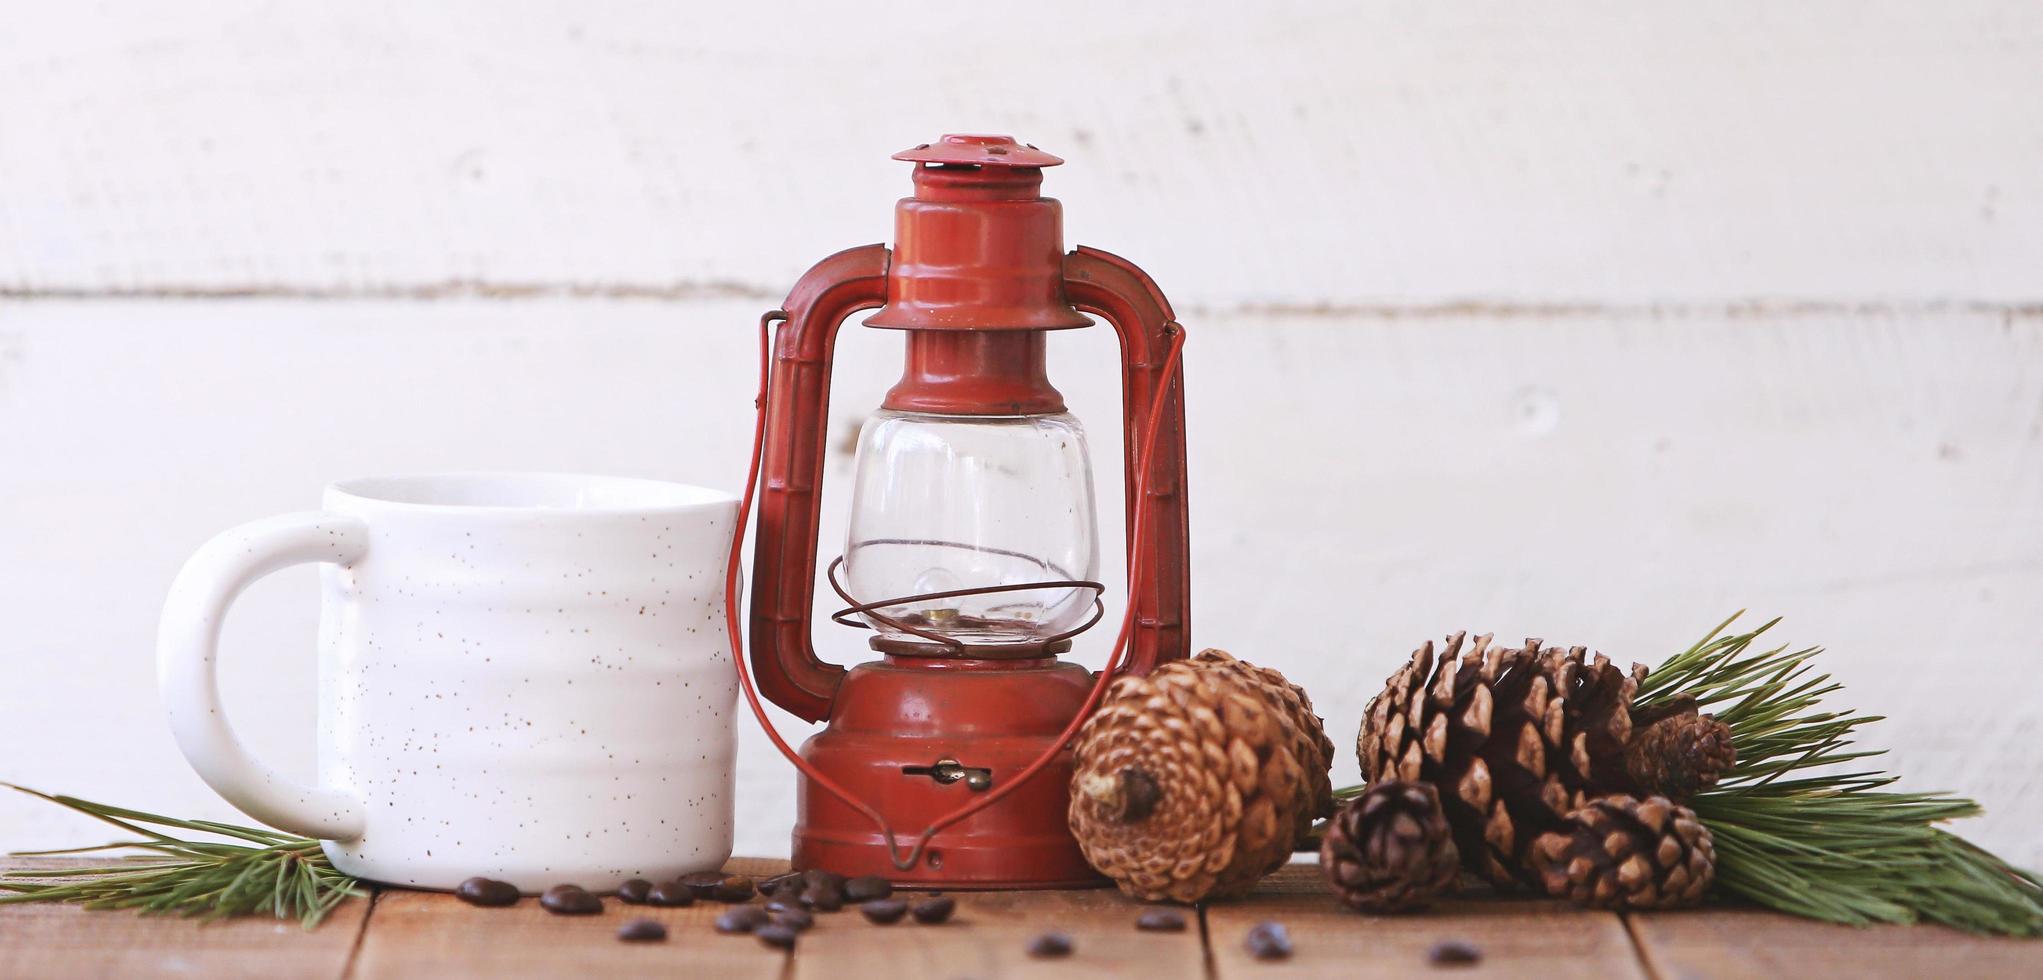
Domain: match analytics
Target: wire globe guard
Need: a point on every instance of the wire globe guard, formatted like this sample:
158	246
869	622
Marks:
903	729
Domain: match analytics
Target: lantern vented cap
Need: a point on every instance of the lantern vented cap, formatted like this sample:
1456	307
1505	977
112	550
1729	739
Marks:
978	150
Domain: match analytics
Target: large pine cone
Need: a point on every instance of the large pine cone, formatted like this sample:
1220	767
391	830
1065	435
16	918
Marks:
1515	739
1390	849
1619	852
1197	780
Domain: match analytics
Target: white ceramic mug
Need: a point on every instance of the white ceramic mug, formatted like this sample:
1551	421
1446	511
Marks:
523	676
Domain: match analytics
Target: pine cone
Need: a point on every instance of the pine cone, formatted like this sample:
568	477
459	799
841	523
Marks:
1622	853
1677	752
1513	738
1390	849
1196	780
1310	744
1516	739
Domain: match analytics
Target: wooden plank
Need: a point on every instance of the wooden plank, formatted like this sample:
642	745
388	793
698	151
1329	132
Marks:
430	934
1518	937
1754	943
59	941
989	937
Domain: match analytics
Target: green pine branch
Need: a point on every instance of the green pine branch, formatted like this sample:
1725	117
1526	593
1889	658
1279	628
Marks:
286	876
1797	831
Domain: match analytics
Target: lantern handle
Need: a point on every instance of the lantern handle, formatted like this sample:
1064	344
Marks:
1153	401
791	445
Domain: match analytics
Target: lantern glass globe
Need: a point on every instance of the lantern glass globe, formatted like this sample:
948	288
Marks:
942	503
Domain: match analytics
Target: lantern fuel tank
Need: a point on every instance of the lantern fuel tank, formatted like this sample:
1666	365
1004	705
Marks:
973	549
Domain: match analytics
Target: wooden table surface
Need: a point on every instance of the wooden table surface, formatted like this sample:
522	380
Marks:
400	933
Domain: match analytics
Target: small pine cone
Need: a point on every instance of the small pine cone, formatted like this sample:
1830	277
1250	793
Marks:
1677	752
1194	781
1620	852
1390	849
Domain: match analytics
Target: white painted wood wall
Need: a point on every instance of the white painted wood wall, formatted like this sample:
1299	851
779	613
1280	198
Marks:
1591	320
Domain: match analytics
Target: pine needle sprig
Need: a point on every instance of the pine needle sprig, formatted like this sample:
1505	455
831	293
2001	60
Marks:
286	876
1837	846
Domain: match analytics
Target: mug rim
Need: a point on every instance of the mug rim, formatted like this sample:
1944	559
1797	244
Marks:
617	494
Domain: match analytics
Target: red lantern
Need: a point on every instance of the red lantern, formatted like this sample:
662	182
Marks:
973	550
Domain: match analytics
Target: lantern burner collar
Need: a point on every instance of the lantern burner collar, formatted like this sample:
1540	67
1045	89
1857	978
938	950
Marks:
978	150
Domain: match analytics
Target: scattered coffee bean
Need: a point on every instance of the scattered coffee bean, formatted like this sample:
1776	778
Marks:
777	906
1269	941
884	911
790	881
570	900
931	911
1050	946
777	936
796	918
670	895
634	892
1454	952
818	876
487	892
702	883
823	898
1161	920
744	918
642	931
734	889
867	888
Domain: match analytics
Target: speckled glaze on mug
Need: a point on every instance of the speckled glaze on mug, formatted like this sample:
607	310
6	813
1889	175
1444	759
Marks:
523	676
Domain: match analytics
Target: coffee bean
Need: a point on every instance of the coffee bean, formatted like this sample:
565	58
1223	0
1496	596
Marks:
823	898
1050	946
1269	941
570	900
1161	920
634	891
734	889
884	911
744	918
778	937
790	881
702	883
931	911
642	931
818	876
487	892
867	887
670	895
797	919
1454	952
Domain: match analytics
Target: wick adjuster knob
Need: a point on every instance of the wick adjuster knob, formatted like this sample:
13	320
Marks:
947	771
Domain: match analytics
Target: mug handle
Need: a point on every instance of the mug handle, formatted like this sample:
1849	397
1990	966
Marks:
187	653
